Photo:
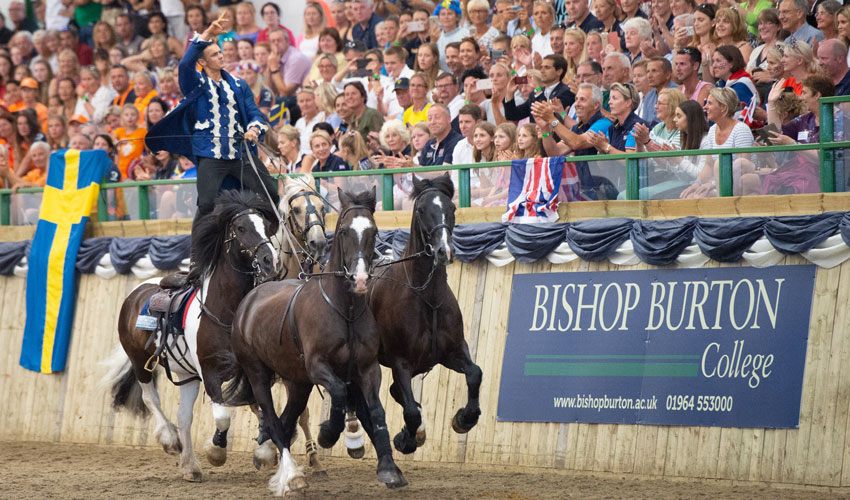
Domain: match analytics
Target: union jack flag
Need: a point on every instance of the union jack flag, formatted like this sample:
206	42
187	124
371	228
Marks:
533	191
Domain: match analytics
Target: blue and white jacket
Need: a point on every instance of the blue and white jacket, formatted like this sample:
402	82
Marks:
214	114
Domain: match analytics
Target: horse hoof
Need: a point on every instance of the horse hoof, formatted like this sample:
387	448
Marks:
420	437
297	484
173	449
216	456
403	442
357	453
462	424
327	438
265	454
193	477
320	474
393	479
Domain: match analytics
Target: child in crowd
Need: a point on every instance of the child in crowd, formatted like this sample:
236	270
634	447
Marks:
130	138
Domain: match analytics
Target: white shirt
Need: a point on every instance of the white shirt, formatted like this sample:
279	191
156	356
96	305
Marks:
541	45
306	129
462	154
52	19
455	105
171	8
101	100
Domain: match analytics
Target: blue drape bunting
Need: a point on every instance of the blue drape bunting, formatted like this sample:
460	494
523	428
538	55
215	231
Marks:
656	242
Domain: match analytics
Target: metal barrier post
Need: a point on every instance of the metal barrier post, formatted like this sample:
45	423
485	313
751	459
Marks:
387	191
464	188
725	187
5	209
102	208
144	203
827	156
632	179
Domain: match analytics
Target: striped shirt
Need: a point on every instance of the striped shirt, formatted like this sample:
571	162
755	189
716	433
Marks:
225	110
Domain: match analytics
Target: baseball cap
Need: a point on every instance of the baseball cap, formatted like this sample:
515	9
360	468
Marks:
78	118
402	84
29	83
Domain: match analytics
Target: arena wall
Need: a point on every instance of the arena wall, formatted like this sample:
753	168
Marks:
71	407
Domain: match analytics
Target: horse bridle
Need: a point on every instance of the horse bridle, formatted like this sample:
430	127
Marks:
295	228
424	235
244	249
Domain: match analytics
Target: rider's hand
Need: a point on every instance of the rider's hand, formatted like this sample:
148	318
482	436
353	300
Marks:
251	135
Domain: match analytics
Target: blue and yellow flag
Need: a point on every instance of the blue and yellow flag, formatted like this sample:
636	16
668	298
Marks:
73	182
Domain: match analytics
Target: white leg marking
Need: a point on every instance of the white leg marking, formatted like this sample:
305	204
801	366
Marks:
189	465
288	470
221	414
165	431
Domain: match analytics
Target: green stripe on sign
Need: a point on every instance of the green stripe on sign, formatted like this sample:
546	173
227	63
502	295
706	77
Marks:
612	356
612	369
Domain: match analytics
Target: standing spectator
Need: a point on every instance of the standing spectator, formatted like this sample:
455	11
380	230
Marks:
172	13
288	66
362	118
832	57
127	38
428	63
245	25
792	14
439	149
93	98
314	22
19	18
271	16
159	25
130	138
544	17
484	34
310	116
448	31
417	37
523	23
364	29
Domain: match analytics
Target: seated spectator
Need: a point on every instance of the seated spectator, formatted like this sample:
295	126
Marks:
468	117
418	110
731	29
579	16
12	97
321	159
155	111
112	120
287	66
33	168
158	26
768	32
43	73
326	96
104	142
620	137
245	25
420	134
528	143
608	12
122	85
95	98
103	36
8	178
365	21
636	31
129	137
832	57
29	94
249	71
289	145
329	56
439	149
596	46
825	17
27	132
544	18
686	73
428	63
314	22
728	67
169	90
504	141
271	16
361	118
197	22
792	14
524	22
353	150
798	62
395	144
727	132
69	40
145	91
417	33
447	93
800	173
69	67
575	52
693	135
665	135
659	75
57	132
310	116
8	136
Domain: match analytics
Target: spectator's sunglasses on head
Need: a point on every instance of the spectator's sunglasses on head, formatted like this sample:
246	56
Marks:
688	50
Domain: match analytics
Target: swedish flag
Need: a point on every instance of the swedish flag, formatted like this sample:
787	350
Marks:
73	182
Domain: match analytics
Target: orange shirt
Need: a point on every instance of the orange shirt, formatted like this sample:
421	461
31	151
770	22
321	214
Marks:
16	106
36	176
130	150
142	104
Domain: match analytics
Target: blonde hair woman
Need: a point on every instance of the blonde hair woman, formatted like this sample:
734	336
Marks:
419	136
505	141
289	145
246	27
314	22
731	29
521	50
575	51
325	96
353	149
428	62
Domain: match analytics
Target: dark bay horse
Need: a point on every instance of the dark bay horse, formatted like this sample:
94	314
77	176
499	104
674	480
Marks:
418	316
236	251
318	332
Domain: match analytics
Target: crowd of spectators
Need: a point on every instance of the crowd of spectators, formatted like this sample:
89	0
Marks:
398	83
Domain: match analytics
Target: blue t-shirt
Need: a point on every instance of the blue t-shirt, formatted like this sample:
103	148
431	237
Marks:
334	164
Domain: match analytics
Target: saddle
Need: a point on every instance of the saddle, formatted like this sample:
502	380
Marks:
164	315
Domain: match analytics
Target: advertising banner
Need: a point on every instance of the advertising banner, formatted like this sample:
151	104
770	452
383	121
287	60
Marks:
714	347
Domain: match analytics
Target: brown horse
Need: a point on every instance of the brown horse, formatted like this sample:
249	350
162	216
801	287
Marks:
418	316
236	251
318	332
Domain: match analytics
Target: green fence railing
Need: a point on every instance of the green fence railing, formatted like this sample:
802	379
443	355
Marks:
635	169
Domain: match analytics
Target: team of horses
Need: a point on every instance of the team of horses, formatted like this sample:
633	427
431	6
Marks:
266	311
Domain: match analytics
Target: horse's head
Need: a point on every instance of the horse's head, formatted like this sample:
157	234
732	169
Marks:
434	216
304	211
249	228
355	234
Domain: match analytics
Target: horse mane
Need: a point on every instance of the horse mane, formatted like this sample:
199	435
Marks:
443	183
365	198
211	229
293	186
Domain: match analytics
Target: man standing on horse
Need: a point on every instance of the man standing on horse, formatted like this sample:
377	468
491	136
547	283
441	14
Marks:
221	117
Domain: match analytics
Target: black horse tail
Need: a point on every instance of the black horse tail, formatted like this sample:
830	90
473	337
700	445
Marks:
236	389
121	381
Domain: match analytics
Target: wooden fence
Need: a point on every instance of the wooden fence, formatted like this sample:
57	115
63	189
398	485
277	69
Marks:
70	407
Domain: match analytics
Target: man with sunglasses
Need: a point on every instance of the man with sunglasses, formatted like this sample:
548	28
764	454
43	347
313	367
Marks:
686	73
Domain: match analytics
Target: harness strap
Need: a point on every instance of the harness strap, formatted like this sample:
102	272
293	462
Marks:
290	312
